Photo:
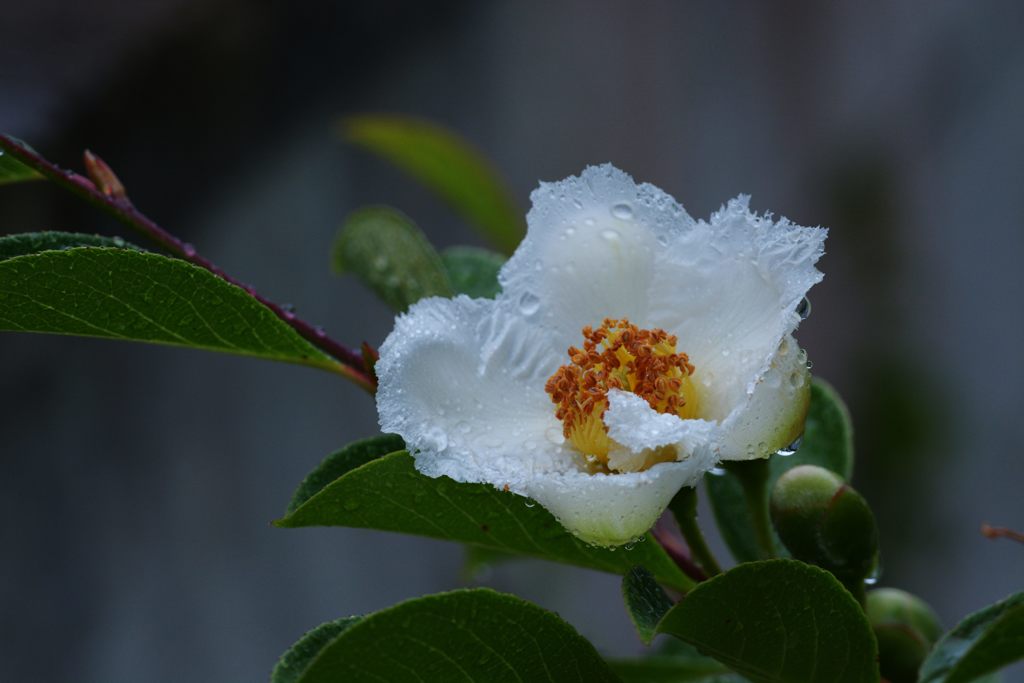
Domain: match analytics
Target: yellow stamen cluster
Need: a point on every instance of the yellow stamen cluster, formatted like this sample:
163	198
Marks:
619	355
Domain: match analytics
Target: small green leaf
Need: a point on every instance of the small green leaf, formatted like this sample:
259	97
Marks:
982	643
139	296
475	635
13	171
479	559
447	164
778	620
389	494
385	249
472	271
31	242
341	462
646	602
293	663
827	442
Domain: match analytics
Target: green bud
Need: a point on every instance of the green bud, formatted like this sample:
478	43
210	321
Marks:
823	521
906	629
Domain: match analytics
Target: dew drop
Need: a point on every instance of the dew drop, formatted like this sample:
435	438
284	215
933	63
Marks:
463	427
803	309
188	249
119	242
555	435
717	472
529	504
610	235
570	231
623	212
529	303
588	221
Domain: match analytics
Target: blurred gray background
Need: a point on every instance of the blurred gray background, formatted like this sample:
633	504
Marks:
137	483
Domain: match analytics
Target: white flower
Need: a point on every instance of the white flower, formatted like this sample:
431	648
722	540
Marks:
699	316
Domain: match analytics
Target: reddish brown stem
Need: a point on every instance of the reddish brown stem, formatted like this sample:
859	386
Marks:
111	198
1001	532
677	551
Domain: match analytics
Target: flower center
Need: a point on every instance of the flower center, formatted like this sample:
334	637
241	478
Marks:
619	355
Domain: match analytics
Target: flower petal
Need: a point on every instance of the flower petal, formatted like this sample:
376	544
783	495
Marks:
772	416
463	383
634	424
736	282
590	251
612	509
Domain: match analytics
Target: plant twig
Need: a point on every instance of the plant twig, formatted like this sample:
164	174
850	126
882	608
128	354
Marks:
678	552
106	192
989	531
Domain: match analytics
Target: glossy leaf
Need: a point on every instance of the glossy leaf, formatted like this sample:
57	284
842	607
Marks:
476	636
140	296
447	164
827	442
389	494
778	621
385	249
343	461
982	643
472	271
646	602
294	663
26	243
13	171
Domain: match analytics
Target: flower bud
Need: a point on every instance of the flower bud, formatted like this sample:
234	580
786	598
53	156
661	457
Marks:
823	521
906	629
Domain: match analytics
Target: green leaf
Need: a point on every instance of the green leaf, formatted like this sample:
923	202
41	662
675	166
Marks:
139	296
31	242
982	643
646	602
475	635
778	620
341	462
294	663
447	164
827	442
472	271
385	249
389	494
13	171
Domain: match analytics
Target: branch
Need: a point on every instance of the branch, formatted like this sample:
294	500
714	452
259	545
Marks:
106	192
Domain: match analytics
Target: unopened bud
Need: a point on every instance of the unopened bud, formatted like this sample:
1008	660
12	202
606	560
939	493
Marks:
823	521
103	176
906	629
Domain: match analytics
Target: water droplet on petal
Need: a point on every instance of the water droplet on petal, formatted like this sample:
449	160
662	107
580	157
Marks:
555	435
717	472
529	303
803	309
610	235
623	211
